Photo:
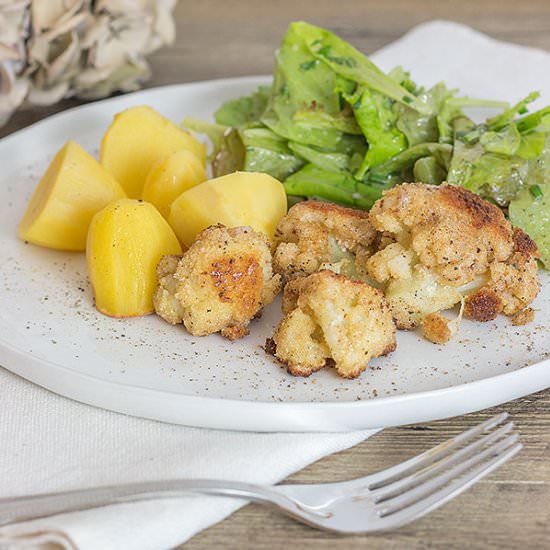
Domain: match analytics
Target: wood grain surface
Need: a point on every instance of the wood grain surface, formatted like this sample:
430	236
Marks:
510	508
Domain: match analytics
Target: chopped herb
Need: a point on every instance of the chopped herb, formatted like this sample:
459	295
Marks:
308	65
345	61
409	85
407	99
535	191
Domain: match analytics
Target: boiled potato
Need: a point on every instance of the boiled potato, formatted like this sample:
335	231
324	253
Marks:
136	139
74	187
170	177
126	241
240	198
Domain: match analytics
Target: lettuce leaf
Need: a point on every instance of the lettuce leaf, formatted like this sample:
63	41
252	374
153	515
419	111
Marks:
406	166
499	157
230	156
214	131
314	182
251	149
332	161
305	102
244	111
351	64
530	210
267	152
377	120
334	126
508	115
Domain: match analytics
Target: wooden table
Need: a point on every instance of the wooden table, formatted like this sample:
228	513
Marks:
509	509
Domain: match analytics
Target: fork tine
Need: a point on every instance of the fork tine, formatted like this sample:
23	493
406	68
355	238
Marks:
406	483
423	491
448	492
434	454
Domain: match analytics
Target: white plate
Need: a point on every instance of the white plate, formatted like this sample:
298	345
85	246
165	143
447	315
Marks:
51	334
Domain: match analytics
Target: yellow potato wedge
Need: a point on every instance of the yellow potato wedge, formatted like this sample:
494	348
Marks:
136	139
74	187
170	177
240	198
126	241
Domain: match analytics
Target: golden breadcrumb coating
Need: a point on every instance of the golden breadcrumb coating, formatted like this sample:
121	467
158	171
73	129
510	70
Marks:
513	284
436	329
441	244
453	231
219	284
317	235
164	300
523	317
332	320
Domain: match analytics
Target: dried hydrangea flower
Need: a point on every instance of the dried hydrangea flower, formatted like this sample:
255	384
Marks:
50	49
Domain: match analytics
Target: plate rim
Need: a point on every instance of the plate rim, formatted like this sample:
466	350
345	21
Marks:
545	363
333	416
16	360
253	79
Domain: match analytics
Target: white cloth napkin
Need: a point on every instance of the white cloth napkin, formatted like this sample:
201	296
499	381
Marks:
49	443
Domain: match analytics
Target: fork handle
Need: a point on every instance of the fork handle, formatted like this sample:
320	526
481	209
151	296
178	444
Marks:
24	508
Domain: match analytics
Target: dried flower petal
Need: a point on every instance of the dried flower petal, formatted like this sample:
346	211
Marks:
48	96
12	91
47	14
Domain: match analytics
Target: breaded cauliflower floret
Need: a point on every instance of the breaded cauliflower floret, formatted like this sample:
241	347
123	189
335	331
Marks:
512	285
453	231
392	262
413	298
317	235
331	319
439	242
219	284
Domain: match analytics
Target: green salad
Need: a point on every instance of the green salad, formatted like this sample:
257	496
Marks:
334	126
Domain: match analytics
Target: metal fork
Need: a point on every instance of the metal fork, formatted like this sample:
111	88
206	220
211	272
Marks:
381	501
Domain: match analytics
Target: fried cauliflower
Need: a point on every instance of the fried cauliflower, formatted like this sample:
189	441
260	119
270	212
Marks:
442	245
219	284
317	235
512	284
330	319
